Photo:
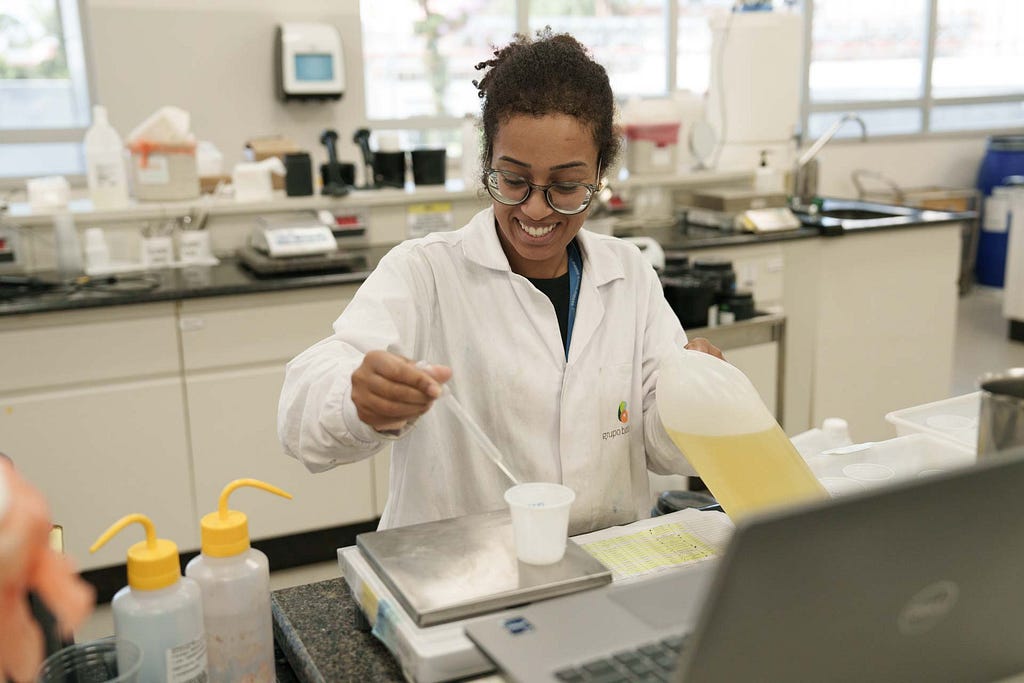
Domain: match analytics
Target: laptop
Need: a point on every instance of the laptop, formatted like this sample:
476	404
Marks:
919	581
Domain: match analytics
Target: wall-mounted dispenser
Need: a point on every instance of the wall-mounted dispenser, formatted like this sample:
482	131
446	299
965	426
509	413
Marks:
309	64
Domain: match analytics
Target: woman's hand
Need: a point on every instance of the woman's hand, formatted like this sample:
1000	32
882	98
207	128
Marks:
390	390
703	345
27	563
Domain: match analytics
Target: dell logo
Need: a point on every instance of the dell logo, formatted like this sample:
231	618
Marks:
928	607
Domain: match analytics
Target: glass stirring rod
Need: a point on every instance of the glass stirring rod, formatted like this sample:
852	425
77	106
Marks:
490	450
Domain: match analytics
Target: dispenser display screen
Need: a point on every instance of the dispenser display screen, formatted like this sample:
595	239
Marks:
314	67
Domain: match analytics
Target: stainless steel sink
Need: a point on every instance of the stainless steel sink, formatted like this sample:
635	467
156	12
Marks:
836	216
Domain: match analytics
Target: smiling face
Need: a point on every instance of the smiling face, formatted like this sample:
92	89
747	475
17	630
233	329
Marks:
543	150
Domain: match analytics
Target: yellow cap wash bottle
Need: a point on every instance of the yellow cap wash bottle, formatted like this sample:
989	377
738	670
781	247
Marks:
235	582
159	610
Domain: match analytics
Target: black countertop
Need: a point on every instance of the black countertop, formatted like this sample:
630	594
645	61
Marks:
42	292
317	627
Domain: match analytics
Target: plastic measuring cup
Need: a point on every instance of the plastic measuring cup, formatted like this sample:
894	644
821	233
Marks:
540	520
108	660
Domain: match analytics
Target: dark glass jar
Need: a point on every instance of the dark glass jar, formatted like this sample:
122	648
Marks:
738	305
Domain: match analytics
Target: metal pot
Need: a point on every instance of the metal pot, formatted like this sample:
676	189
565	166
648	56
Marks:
1001	418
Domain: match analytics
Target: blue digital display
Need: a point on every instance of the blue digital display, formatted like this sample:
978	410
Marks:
314	67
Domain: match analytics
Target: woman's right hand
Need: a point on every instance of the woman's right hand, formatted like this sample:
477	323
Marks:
389	390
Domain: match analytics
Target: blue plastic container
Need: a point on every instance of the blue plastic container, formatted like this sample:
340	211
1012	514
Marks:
1004	157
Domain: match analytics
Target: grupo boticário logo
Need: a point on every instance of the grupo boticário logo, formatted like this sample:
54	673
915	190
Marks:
623	413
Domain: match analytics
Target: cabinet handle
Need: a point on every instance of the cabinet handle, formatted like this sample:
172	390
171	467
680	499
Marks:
191	324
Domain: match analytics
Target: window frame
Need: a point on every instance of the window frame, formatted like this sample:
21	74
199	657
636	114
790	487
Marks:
925	103
522	25
85	70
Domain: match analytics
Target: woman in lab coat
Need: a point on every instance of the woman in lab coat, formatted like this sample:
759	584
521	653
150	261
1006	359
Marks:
548	334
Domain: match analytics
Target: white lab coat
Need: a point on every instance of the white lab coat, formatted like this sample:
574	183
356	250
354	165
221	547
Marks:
450	298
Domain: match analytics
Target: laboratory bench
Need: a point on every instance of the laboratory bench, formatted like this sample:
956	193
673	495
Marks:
166	383
320	635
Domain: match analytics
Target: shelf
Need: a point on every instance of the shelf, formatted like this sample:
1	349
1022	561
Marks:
21	214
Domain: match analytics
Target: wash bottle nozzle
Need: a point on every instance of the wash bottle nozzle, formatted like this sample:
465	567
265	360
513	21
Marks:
226	532
152	563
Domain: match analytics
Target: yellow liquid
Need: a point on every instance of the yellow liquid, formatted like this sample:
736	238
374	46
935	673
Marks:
748	473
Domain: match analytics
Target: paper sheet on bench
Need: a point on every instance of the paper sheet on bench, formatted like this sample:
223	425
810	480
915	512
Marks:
658	544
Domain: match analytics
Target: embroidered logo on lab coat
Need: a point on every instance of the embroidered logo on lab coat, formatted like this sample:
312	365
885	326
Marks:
623	415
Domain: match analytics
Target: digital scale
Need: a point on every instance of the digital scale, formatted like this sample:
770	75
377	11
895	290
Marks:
292	235
290	244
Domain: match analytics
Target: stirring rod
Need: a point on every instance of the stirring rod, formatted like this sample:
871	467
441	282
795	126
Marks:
490	450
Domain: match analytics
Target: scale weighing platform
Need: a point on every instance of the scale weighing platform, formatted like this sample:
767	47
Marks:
418	585
302	242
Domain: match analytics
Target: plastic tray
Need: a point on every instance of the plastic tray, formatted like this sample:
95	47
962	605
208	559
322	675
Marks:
885	462
955	419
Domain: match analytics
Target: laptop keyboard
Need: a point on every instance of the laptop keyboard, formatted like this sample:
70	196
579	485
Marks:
652	662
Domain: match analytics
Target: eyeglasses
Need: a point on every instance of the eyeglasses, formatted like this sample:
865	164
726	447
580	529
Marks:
511	189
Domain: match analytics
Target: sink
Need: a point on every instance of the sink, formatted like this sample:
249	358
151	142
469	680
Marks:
855	214
836	216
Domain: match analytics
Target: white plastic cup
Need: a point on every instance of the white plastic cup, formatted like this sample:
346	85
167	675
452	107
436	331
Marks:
540	520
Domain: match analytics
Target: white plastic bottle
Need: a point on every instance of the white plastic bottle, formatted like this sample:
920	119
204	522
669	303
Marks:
104	159
715	416
159	610
235	582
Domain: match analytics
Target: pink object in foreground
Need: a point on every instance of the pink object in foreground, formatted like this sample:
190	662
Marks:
27	563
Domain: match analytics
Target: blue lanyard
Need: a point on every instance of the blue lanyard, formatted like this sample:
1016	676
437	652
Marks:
575	275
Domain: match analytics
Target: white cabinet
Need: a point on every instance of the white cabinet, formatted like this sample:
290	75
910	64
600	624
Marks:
886	325
92	412
234	351
870	322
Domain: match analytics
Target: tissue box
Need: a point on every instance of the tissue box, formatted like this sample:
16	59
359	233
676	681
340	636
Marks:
258	149
164	172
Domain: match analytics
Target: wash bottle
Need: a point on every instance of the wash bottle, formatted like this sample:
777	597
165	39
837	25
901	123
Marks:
715	416
159	610
235	582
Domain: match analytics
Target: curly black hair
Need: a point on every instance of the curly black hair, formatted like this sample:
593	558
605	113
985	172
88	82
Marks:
553	74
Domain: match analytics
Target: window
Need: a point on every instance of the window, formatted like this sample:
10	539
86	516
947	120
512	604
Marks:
630	39
44	91
419	55
915	66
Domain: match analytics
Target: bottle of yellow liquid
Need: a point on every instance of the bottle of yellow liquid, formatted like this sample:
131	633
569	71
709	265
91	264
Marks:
715	416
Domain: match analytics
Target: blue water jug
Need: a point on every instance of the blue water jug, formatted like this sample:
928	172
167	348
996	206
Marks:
1004	157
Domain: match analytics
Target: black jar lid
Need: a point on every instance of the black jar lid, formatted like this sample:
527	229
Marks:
741	296
712	263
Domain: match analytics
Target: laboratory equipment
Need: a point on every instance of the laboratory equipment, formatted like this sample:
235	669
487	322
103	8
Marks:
334	185
296	234
107	660
1001	417
540	520
105	163
463	566
309	62
298	176
234	580
1004	157
714	415
159	610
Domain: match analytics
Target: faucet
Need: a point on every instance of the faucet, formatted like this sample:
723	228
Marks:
805	176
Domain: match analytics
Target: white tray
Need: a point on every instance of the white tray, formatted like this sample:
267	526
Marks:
955	419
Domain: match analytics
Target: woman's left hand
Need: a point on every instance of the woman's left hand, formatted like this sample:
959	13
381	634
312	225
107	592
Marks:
703	345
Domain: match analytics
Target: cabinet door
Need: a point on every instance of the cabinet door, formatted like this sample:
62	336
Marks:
887	325
233	422
100	453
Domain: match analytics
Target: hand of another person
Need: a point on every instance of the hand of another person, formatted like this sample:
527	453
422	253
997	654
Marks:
703	345
390	390
27	563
